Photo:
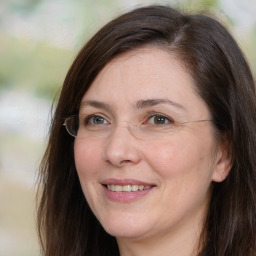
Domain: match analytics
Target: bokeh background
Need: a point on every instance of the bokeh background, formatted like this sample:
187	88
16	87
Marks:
38	41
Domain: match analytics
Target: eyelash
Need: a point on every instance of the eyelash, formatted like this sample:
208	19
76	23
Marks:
161	116
169	120
86	121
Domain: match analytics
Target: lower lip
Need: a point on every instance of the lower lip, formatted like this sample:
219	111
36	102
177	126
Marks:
125	197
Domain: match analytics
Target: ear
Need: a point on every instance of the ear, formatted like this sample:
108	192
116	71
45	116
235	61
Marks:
223	162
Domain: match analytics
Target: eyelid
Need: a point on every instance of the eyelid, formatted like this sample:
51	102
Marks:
149	115
87	113
153	114
88	117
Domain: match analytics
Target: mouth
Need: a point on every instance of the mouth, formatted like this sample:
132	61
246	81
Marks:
127	188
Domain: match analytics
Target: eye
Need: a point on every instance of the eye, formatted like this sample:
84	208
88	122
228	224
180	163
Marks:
158	119
95	120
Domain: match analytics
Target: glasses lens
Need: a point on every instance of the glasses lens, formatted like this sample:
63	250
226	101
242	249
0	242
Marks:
72	125
151	132
140	131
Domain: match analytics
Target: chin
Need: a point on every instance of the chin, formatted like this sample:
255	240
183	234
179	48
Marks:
125	228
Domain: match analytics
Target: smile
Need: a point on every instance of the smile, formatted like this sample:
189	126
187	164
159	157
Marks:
127	188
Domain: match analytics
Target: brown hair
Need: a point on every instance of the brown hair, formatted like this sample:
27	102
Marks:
223	79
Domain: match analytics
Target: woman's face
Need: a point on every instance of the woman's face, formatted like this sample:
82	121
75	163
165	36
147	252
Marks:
153	179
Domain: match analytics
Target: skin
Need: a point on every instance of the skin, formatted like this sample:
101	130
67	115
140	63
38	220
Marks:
168	220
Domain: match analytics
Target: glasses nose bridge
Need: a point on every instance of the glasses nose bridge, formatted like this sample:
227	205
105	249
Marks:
131	126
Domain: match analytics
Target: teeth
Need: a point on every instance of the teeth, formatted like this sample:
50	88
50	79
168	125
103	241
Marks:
135	187
127	188
118	188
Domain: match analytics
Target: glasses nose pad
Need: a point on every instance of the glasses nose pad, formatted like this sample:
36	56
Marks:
133	128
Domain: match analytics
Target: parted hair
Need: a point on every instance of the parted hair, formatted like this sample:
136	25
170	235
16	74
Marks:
223	79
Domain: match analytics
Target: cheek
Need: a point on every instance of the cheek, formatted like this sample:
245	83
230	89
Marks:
86	158
185	168
87	161
183	156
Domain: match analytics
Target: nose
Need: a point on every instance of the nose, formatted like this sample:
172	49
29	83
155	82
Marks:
121	147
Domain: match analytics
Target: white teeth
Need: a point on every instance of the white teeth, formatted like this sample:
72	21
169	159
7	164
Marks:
135	187
141	187
127	188
118	188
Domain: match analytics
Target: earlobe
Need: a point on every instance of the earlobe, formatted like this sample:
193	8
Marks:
223	163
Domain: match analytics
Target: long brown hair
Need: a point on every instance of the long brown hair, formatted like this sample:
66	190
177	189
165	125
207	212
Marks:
223	79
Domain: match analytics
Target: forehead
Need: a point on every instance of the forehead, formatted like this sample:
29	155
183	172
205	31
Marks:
142	69
145	73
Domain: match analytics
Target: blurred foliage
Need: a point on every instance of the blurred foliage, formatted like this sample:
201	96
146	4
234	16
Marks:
40	68
21	5
197	5
33	67
249	47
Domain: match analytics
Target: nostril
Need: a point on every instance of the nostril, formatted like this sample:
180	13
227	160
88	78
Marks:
124	162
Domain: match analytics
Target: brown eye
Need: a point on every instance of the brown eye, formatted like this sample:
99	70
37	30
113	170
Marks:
159	120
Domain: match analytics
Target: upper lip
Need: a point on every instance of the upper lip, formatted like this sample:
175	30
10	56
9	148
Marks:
122	182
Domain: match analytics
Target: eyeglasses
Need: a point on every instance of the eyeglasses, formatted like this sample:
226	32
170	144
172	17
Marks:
157	127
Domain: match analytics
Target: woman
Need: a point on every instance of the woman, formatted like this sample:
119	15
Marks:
161	161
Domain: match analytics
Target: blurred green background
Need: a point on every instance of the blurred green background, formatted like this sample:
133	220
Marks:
38	42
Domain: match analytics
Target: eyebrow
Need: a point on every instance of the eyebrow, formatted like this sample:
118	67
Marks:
139	104
96	104
152	102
